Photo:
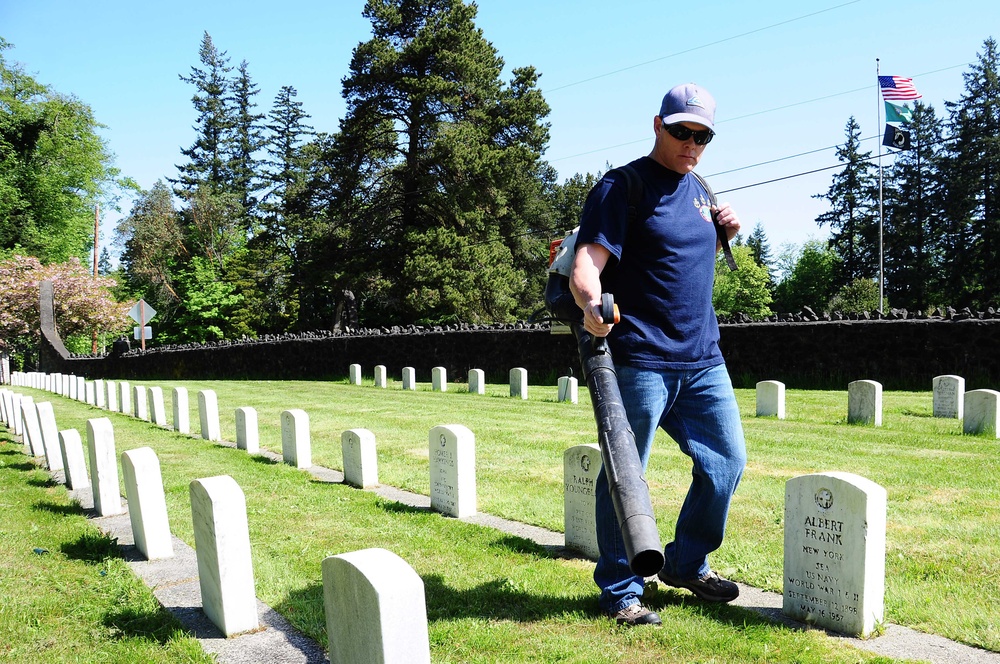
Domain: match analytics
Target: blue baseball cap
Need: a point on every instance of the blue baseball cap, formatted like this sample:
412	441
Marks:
688	103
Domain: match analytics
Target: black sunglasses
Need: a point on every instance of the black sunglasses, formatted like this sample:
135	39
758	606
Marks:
682	133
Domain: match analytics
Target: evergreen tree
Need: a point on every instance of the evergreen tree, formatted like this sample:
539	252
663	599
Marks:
447	182
853	214
247	140
761	250
972	173
209	157
914	207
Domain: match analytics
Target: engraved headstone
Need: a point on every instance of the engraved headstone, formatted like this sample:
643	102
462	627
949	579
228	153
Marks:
296	448
581	465
208	414
147	504
360	462
519	383
111	390
569	389
355	374
222	544
477	381
375	609
81	389
834	562
982	413
182	414
409	378
103	466
452	450
439	379
124	398
89	391
771	399
50	435
381	379
864	402
99	393
140	402
74	460
247	431
949	394
157	408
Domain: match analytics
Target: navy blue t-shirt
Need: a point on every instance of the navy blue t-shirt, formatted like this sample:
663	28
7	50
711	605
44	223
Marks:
662	269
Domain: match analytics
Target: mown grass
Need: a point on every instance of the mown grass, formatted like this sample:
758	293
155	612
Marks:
66	594
493	597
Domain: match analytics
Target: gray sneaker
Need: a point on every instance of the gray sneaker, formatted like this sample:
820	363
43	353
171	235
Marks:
636	614
711	587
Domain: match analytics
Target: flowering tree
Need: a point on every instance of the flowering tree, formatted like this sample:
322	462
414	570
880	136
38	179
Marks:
83	303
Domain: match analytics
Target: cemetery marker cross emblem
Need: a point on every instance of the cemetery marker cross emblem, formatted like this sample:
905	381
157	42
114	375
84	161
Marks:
444	440
824	499
585	463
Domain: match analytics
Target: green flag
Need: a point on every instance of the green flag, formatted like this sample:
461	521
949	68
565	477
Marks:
898	113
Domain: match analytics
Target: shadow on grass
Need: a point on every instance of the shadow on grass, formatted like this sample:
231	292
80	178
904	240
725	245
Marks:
263	460
72	509
23	466
397	507
92	548
44	483
155	626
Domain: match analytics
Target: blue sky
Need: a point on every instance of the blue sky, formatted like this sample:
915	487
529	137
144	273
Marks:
786	76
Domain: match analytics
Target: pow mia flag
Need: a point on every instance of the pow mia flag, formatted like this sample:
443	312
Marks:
896	138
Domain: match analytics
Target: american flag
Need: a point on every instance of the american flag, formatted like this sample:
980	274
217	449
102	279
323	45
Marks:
897	88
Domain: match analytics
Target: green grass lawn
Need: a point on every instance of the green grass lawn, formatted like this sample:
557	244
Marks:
493	597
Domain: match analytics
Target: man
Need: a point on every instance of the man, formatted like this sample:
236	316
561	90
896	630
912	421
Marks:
660	268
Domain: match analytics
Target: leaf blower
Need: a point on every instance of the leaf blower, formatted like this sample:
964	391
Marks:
626	479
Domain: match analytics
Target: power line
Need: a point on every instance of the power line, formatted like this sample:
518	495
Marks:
703	46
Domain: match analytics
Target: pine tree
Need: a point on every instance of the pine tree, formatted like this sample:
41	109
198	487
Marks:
247	140
972	173
853	214
761	250
209	156
913	213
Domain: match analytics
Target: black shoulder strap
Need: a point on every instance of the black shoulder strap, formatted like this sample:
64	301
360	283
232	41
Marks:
633	189
719	231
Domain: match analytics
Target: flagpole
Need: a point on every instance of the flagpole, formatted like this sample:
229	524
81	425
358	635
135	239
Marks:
878	106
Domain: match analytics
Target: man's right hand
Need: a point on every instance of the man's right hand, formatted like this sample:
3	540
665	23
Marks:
593	322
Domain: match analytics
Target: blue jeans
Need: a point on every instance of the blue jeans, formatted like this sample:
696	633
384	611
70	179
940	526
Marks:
698	409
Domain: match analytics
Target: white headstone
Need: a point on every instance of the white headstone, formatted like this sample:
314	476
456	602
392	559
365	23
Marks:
222	544
834	573
99	393
112	396
569	389
74	461
182	415
375	609
208	413
50	435
32	430
771	399
452	450
409	378
81	388
439	379
477	381
247	431
949	394
103	466
355	374
147	505
124	398
982	413
296	448
519	383
140	403
864	402
157	408
581	465
90	392
17	425
380	376
360	461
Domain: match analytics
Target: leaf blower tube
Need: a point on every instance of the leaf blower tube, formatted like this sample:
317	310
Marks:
626	480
